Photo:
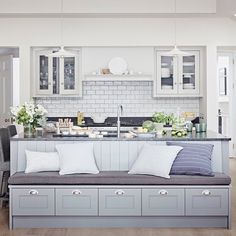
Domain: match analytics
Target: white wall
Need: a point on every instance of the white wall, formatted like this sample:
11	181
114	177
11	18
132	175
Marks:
209	32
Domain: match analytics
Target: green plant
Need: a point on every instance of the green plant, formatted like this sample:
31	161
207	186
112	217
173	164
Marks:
170	119
29	114
159	117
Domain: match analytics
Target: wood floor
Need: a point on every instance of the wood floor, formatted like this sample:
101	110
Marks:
129	231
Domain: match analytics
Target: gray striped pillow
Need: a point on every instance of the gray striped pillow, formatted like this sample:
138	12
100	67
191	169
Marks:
193	159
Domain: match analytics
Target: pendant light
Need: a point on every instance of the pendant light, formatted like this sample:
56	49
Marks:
176	51
61	52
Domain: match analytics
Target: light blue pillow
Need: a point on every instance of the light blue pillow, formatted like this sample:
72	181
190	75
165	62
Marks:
193	159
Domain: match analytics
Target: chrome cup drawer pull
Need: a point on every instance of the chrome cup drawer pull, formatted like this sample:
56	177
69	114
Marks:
206	192
76	192
163	192
119	192
33	192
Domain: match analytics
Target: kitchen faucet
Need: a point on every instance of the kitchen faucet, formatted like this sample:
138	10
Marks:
119	113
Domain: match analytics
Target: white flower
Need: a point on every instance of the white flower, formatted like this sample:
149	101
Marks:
15	110
29	113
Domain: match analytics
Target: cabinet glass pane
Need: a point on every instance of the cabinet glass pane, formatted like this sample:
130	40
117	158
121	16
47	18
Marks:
69	73
167	73
43	74
189	73
56	78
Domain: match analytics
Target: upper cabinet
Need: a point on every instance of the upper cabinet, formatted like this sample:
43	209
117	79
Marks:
177	75
56	76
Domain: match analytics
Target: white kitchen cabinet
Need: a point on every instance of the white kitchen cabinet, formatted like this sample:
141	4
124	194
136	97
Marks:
177	75
56	76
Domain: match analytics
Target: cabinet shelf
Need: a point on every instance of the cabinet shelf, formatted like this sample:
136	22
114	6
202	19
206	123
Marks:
110	77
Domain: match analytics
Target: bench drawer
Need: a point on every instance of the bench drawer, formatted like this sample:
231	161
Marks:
162	202
120	202
33	201
203	202
80	202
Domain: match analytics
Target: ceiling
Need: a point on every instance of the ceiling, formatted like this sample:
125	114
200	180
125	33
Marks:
224	8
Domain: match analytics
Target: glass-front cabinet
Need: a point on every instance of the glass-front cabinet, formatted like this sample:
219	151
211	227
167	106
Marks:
177	75
57	76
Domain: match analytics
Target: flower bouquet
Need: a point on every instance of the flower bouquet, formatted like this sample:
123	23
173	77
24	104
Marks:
30	116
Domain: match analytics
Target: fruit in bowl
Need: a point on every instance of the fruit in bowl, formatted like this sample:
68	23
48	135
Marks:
179	133
142	130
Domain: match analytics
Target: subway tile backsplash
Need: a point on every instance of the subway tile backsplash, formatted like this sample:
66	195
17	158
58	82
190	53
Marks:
100	99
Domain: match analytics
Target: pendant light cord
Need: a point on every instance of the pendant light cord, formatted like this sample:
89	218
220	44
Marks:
175	26
61	24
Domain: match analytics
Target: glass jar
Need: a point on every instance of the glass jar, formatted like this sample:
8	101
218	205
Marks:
29	130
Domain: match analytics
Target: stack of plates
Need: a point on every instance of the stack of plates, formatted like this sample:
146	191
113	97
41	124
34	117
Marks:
165	72
166	87
188	86
188	75
188	63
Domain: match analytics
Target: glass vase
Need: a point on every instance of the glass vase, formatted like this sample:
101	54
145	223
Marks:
29	130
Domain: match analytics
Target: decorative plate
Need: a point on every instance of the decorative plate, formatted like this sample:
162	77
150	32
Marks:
117	66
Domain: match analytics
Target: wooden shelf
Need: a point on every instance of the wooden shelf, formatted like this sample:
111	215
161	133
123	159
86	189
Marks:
109	77
223	99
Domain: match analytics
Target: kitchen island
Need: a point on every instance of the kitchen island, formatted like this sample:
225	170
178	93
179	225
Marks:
117	153
68	202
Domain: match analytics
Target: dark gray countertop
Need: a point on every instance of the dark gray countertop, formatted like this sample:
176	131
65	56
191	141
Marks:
208	136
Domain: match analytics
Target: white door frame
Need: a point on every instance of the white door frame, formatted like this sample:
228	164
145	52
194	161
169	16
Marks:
232	99
6	90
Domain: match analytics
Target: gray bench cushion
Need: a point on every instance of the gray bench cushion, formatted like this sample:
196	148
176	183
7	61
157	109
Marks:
114	178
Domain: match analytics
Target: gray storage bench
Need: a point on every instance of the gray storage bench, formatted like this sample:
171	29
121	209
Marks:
117	199
113	198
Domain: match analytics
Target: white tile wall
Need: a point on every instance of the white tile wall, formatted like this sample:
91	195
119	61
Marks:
100	99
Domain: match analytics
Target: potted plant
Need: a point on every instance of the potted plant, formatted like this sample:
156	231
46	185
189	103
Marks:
30	116
160	119
170	119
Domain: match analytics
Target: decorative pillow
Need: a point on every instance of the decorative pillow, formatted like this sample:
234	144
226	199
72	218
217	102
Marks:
41	161
155	160
194	159
76	158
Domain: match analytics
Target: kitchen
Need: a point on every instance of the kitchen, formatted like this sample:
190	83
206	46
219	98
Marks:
135	40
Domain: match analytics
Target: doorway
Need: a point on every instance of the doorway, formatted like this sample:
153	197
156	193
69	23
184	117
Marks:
227	97
9	82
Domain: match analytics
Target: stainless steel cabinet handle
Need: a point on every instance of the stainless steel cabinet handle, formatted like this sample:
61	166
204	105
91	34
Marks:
120	192
76	192
163	192
33	192
206	192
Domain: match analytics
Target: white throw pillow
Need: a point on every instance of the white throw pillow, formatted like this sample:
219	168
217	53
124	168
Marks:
155	160
76	158
41	161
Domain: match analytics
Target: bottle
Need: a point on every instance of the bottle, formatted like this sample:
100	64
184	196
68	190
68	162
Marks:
80	118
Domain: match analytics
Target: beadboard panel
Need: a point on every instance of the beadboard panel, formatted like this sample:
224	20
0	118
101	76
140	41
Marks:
109	155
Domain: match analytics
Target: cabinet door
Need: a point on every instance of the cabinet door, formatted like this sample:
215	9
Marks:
162	202
205	202
166	74
120	202
80	202
43	73
189	76
33	202
69	76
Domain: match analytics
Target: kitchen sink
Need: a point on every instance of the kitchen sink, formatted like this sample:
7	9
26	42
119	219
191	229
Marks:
113	134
